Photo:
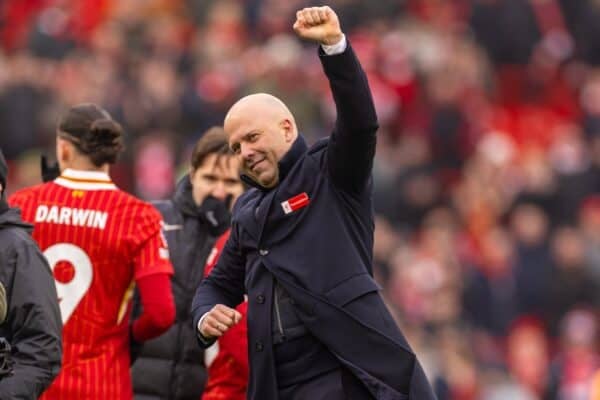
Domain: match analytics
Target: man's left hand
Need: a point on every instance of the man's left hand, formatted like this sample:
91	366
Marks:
320	24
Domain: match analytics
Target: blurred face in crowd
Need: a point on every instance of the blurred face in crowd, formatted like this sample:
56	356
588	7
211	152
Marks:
261	130
217	176
527	353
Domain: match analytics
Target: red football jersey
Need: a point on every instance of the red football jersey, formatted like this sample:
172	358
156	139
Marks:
227	359
98	240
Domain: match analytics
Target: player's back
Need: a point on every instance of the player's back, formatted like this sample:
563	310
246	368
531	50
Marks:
92	234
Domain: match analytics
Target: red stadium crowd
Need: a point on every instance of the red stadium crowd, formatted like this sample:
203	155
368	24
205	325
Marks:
487	175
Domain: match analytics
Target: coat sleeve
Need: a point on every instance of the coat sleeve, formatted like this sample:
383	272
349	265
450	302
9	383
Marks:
224	285
352	144
34	326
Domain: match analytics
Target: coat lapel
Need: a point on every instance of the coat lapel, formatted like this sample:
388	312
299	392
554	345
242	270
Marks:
261	212
254	213
247	218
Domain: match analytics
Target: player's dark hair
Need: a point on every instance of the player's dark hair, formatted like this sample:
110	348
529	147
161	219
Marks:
93	132
213	141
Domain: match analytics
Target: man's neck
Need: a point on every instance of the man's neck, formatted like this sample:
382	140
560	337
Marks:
84	165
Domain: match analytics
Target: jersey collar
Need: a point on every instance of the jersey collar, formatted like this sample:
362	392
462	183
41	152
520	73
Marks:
85	180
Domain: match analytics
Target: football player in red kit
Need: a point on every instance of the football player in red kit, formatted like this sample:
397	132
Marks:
99	241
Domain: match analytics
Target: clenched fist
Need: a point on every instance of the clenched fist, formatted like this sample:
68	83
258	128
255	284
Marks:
218	321
320	24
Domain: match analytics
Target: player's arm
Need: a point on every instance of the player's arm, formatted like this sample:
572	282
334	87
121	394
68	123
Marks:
213	306
34	323
152	274
352	144
157	304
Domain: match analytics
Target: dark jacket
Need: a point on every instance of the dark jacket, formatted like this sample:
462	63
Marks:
33	324
321	254
172	365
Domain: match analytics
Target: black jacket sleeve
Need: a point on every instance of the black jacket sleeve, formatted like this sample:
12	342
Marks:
224	285
33	325
352	144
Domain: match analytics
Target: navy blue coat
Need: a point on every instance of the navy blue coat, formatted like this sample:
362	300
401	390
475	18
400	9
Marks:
321	253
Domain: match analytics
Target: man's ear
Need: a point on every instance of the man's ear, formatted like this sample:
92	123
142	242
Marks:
64	150
288	129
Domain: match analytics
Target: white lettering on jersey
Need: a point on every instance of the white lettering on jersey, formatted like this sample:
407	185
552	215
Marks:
80	216
71	216
99	219
65	215
52	215
41	213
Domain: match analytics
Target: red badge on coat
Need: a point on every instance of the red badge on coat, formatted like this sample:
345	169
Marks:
295	203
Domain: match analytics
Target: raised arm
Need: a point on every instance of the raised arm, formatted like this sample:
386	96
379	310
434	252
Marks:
352	143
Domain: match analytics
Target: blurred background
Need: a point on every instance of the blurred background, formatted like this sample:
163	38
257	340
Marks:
487	177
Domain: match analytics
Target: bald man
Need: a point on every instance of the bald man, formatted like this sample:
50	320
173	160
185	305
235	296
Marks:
301	247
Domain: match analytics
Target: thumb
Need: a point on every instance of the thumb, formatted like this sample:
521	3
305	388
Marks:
237	317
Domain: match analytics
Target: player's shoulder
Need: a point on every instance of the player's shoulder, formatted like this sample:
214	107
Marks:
136	208
27	194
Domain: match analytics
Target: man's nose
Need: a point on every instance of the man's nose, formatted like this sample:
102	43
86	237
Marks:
219	191
246	151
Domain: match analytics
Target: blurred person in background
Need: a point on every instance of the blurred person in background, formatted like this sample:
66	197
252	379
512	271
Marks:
595	391
589	226
572	372
457	376
527	354
530	228
572	284
30	321
99	242
171	366
489	296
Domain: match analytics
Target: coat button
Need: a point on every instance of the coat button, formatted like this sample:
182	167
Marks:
259	346
263	252
260	298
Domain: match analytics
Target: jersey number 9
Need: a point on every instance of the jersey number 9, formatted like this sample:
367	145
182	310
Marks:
70	293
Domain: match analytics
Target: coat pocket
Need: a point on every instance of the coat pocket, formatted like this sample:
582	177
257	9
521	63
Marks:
351	289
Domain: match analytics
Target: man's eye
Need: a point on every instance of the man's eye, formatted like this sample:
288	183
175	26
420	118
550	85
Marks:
210	178
253	137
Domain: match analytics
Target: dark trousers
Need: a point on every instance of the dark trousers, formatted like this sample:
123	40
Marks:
338	384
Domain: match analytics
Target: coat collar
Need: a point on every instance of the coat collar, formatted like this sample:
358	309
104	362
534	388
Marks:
183	198
290	158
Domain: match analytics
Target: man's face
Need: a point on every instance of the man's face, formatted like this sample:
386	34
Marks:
259	144
218	176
